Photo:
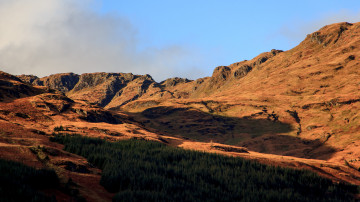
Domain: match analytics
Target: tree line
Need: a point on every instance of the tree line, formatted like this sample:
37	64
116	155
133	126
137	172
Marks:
139	170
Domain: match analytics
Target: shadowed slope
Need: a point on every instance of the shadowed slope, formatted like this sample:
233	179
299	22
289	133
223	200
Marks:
12	88
262	132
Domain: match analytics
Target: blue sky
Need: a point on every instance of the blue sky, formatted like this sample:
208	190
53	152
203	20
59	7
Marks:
236	29
163	38
229	31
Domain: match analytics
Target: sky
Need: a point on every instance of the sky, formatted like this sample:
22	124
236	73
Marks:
160	37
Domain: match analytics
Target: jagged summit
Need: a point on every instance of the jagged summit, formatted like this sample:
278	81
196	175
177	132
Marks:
105	89
331	34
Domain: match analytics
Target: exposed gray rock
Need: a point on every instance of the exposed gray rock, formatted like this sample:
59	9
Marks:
174	81
242	71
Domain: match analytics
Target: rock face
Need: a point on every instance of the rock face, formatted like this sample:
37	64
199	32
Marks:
174	81
220	74
62	82
329	34
100	88
131	91
28	78
242	71
226	76
109	90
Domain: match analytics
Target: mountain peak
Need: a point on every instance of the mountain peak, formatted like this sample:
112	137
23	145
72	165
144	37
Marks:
329	35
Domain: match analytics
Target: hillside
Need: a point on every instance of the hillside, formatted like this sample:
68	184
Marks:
295	108
300	102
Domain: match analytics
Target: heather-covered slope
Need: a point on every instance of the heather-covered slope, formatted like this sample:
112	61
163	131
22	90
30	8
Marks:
28	117
302	102
297	108
314	87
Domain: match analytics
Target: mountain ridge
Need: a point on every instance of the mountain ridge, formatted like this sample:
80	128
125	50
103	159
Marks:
309	89
297	108
326	37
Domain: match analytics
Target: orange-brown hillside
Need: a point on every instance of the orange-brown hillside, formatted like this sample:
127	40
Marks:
296	108
30	115
300	102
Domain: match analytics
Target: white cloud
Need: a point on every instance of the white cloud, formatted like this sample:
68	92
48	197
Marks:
43	37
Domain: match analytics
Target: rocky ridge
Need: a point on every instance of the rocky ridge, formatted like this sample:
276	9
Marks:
114	90
251	103
109	90
297	108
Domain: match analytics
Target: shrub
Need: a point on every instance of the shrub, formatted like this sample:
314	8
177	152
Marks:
60	128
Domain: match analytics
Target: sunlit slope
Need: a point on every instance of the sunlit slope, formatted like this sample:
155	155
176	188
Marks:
302	102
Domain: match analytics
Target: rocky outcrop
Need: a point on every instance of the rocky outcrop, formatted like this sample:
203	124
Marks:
61	82
220	74
242	71
329	34
92	80
133	91
225	75
97	88
174	81
100	88
27	78
52	102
